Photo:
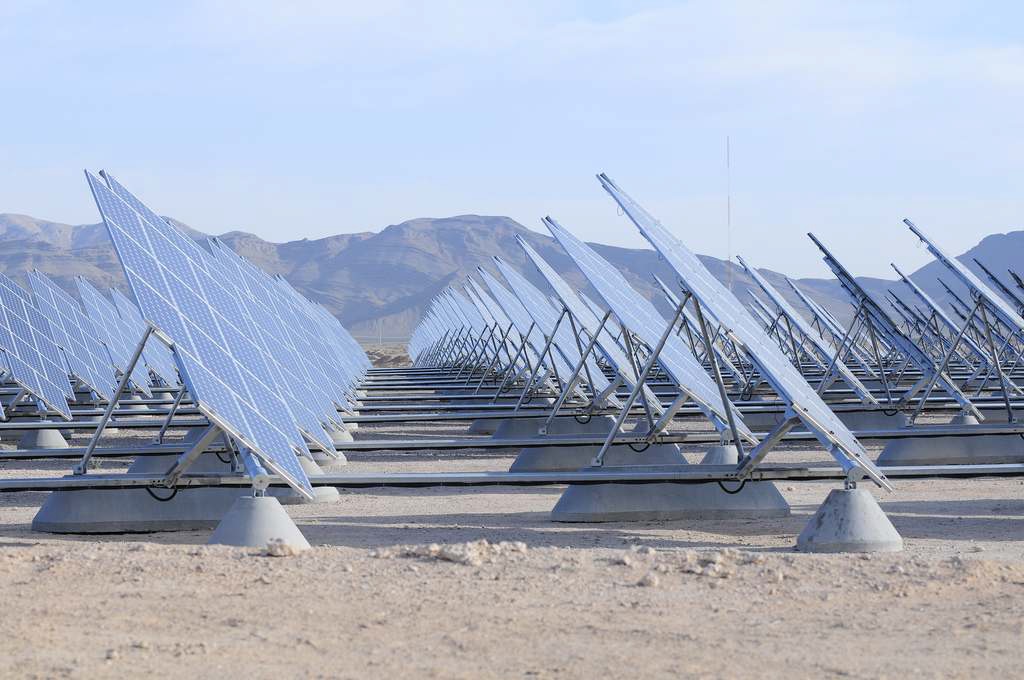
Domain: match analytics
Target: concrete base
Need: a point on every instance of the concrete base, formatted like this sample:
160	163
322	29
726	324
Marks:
254	521
114	511
666	501
986	449
855	420
131	403
321	494
42	439
485	426
562	458
723	454
850	520
340	436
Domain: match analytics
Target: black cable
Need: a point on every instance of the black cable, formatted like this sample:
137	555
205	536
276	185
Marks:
646	446
225	461
738	489
891	412
586	418
174	492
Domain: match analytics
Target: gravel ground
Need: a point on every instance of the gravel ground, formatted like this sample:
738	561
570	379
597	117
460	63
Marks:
479	583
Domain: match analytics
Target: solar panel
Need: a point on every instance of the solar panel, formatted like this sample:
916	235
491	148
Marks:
638	315
117	336
179	294
76	335
811	334
33	359
998	305
156	355
311	407
775	368
547	320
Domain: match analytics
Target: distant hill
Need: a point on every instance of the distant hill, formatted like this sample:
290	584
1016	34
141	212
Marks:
378	283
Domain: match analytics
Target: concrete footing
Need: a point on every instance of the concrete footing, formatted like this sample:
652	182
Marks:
667	501
254	521
321	494
42	439
110	511
850	520
986	449
562	458
131	403
855	420
723	454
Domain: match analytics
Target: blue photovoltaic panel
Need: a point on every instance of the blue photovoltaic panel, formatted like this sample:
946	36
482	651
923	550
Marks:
547	317
76	335
33	359
775	368
178	292
311	408
1006	313
811	334
157	356
638	315
118	337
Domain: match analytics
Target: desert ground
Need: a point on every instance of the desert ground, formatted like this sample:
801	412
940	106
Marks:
479	583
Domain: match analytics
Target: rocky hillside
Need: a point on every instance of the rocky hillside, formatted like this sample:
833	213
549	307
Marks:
378	283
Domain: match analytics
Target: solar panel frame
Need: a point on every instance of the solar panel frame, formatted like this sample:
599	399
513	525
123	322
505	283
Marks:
811	334
637	314
998	305
773	365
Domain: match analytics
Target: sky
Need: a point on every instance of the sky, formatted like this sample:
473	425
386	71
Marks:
291	119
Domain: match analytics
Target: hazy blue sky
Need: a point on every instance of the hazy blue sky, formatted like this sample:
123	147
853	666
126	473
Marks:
289	119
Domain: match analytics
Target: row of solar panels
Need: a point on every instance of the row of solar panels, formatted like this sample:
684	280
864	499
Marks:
46	336
526	308
270	368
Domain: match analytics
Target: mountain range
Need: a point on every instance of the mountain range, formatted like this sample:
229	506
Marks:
378	283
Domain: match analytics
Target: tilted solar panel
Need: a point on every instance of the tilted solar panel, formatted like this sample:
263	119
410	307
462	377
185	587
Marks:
116	335
226	374
762	350
158	358
34	360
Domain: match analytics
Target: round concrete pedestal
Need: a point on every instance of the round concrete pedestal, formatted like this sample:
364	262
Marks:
667	501
109	511
254	521
131	403
723	454
321	494
850	520
42	439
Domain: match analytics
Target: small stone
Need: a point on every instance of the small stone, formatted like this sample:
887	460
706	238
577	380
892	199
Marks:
649	580
276	547
111	654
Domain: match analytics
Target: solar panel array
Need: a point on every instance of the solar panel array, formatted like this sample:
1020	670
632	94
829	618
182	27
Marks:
32	358
547	320
157	356
998	305
179	290
87	358
638	315
589	321
114	333
765	353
